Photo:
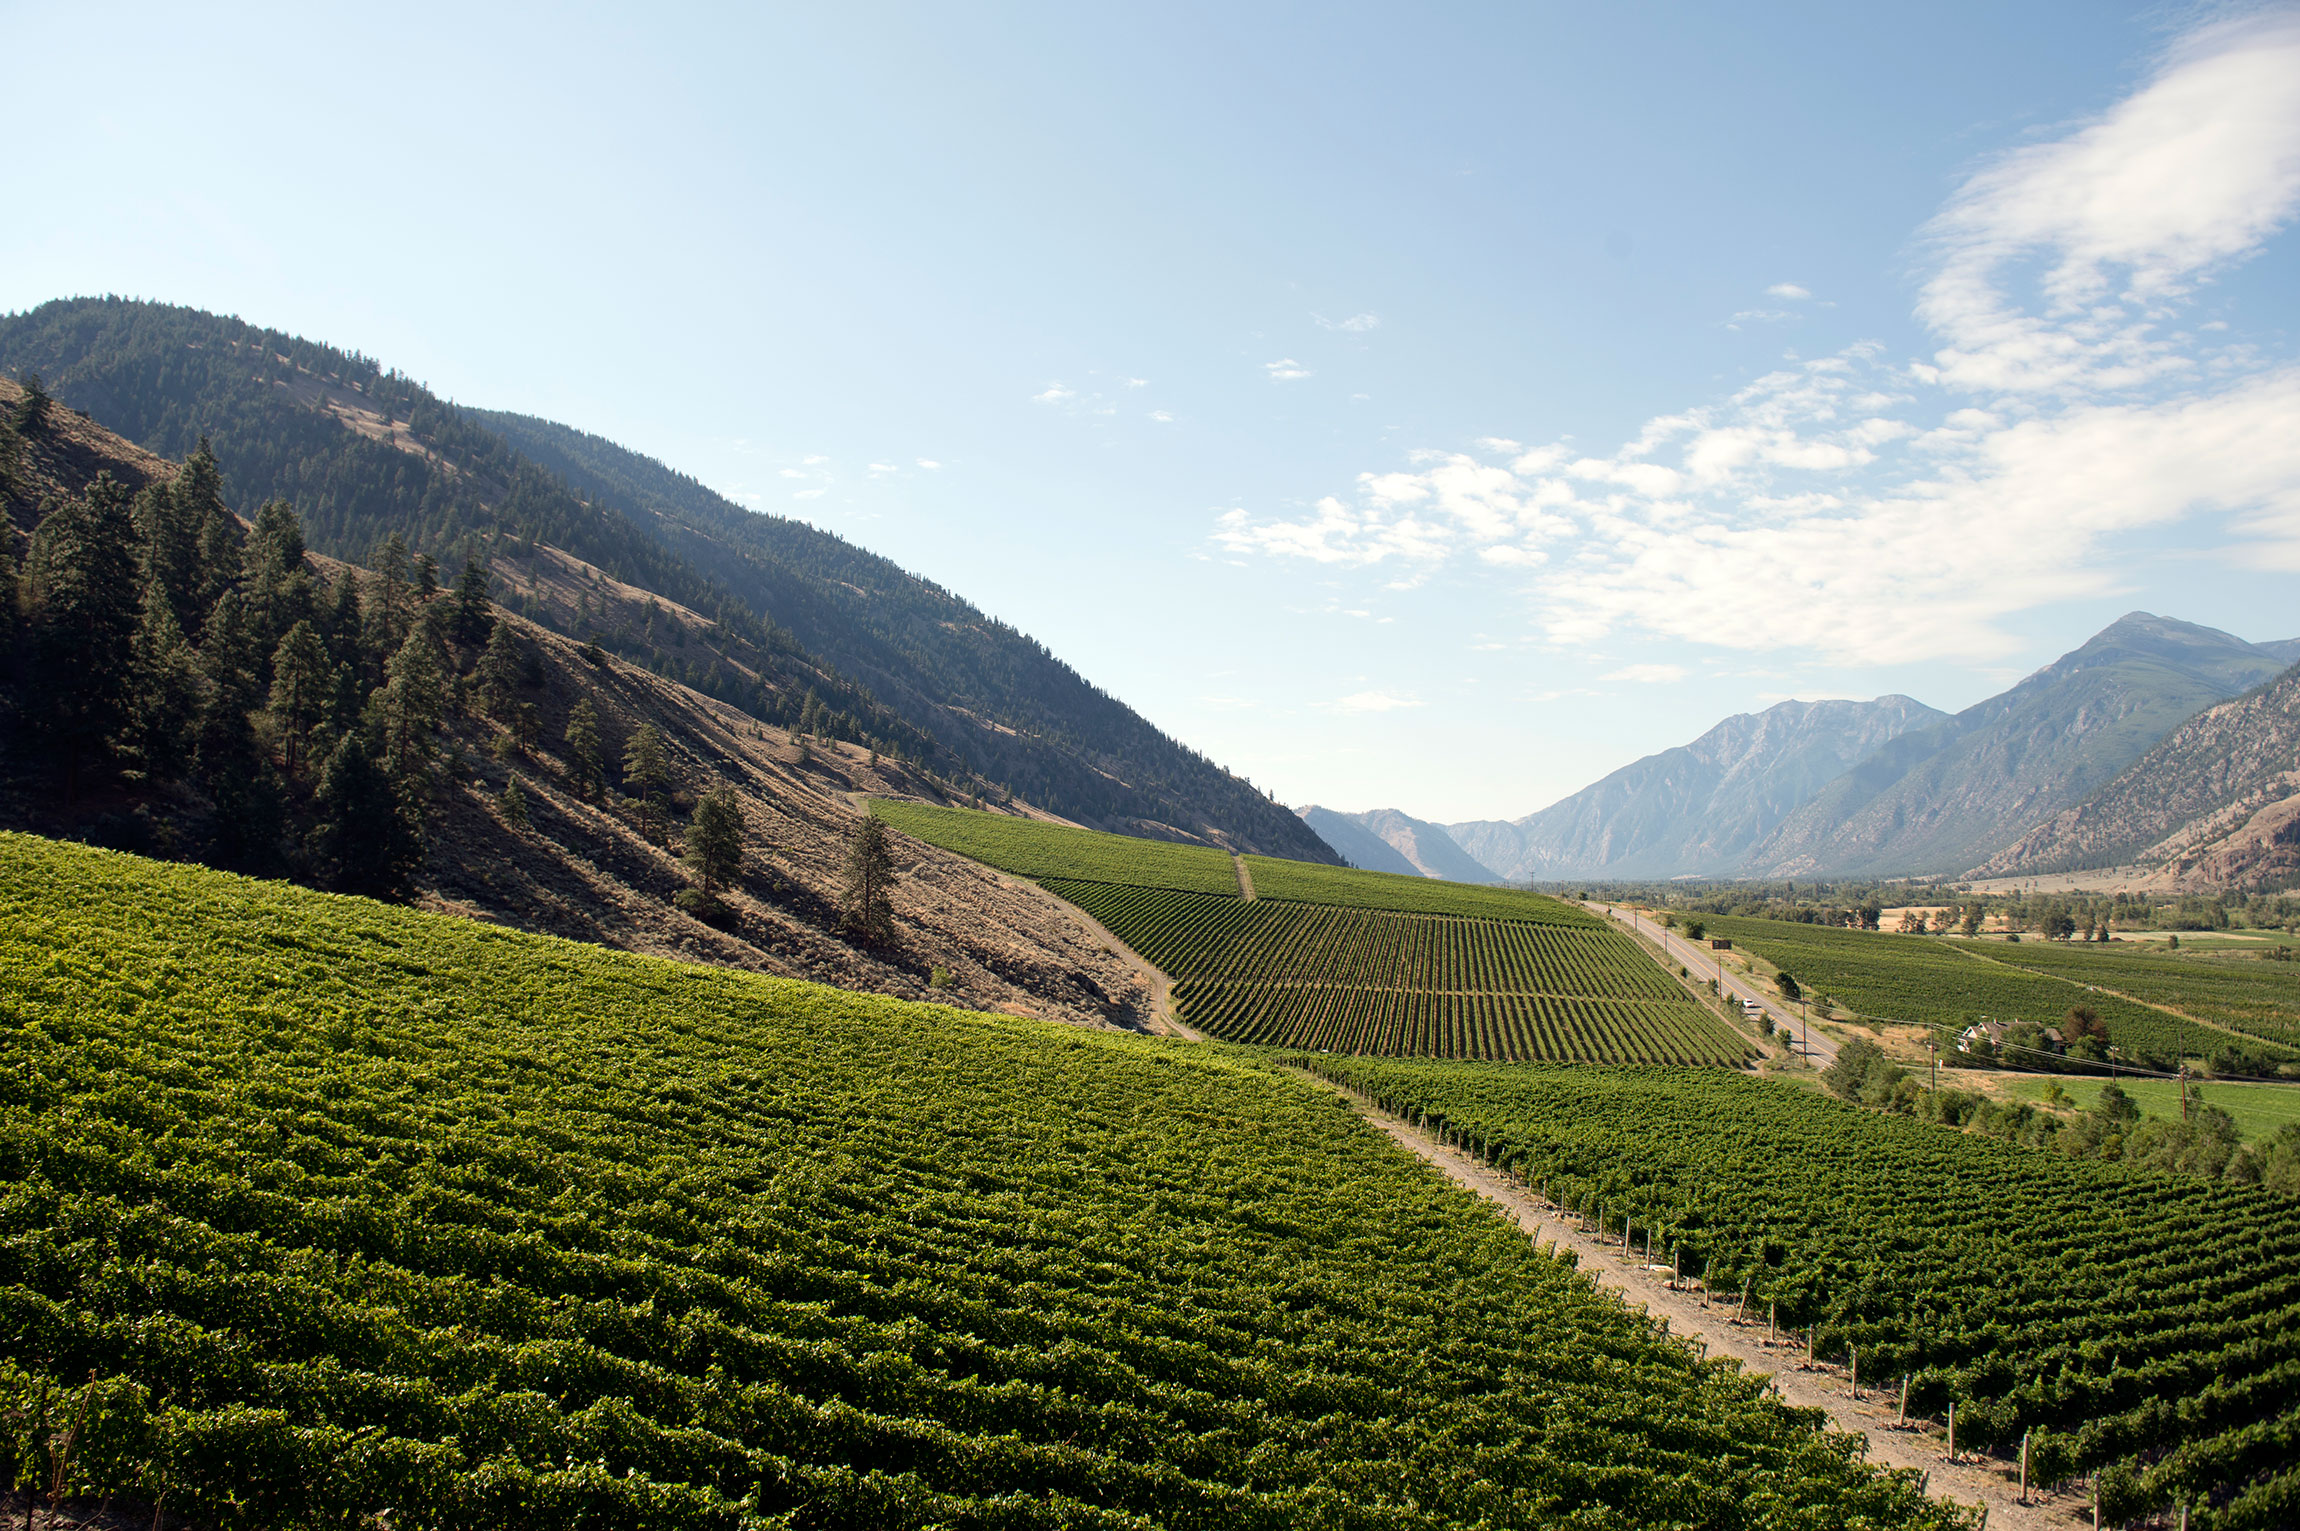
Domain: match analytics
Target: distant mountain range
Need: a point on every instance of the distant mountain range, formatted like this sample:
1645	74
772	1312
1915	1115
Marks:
1701	807
783	612
1892	787
1946	798
1385	840
2216	803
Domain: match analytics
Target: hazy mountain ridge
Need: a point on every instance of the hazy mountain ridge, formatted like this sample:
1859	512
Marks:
1385	840
2220	796
1700	806
362	452
1944	799
1358	845
992	695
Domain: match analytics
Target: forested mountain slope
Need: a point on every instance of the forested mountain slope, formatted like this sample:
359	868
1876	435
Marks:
1699	807
2219	799
364	453
937	659
1944	799
217	693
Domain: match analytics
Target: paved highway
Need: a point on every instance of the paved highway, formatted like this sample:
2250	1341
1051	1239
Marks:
1804	1041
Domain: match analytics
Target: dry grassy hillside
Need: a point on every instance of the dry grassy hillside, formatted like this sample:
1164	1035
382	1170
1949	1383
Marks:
584	870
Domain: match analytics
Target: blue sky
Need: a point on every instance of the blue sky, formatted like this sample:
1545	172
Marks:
1408	406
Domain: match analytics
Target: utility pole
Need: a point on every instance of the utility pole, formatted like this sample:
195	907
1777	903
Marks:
2184	1092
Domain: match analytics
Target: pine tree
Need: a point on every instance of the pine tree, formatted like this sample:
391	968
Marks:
343	621
646	777
715	841
499	673
408	709
171	554
281	585
85	610
474	612
586	770
364	836
390	602
171	693
513	804
233	770
867	906
31	405
301	677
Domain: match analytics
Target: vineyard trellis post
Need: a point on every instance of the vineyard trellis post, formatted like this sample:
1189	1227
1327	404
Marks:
1952	1429
1904	1414
2024	1467
1853	1364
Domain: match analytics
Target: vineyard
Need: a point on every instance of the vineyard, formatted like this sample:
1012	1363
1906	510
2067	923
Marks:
2142	1330
1036	849
1307	882
1338	960
1378	981
1928	980
316	1212
2233	989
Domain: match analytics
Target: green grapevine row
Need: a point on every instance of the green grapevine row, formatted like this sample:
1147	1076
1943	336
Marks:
1940	981
1037	849
1373	980
312	1208
1411	1023
2146	1328
2235	989
1307	882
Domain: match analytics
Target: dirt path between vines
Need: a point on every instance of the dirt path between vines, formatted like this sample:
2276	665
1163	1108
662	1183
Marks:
1974	1480
1245	878
1160	1008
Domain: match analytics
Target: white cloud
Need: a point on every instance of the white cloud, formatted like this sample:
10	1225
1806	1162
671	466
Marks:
1789	290
1373	701
792	473
1285	371
1647	674
810	494
1162	417
2124	215
1055	393
884	467
814	462
1137	382
1874	510
1356	324
928	462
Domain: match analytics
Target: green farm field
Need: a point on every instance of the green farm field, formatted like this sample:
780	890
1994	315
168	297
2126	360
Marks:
313	1208
2259	1110
2145	1326
1339	960
1307	882
1943	981
1381	981
1036	849
2231	986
